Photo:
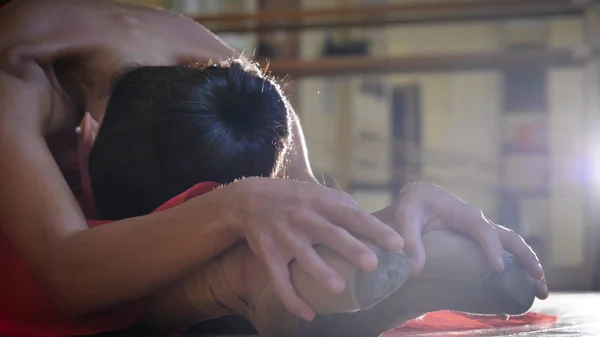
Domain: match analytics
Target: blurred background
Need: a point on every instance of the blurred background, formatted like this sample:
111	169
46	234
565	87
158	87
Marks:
497	100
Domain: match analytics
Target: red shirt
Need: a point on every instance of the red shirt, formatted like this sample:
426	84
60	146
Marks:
27	310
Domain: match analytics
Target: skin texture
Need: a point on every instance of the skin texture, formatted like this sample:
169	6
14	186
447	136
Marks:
49	66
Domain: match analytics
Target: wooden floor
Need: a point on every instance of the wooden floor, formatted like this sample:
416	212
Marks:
579	315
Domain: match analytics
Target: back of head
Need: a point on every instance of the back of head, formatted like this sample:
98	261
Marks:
168	128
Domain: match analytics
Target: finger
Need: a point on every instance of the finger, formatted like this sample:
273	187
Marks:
308	259
514	243
470	220
542	289
462	216
354	220
279	272
342	242
410	227
488	238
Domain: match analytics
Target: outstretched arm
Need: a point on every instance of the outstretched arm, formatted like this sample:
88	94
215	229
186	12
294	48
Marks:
40	27
38	30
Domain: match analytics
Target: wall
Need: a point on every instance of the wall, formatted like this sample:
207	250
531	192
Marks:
318	103
459	110
568	146
461	114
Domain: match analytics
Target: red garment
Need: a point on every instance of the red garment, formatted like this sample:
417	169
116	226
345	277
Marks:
27	310
446	321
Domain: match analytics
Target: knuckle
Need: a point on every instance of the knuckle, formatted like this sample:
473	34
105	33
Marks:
486	231
415	188
509	233
335	196
346	198
329	199
299	215
409	207
514	236
341	194
324	201
303	251
473	211
488	228
334	232
265	242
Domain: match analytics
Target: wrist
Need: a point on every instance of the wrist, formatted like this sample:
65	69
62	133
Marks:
231	203
207	218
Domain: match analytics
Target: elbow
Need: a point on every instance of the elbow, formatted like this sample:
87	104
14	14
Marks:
12	59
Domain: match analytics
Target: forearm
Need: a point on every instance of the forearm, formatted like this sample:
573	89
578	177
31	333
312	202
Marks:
170	308
127	260
47	36
95	269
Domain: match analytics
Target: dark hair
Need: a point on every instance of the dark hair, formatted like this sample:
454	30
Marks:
168	128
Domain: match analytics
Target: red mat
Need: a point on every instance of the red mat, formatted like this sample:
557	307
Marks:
440	321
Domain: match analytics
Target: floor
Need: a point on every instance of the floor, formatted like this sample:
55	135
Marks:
579	315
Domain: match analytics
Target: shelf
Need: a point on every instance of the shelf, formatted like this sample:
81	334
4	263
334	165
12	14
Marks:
356	65
384	14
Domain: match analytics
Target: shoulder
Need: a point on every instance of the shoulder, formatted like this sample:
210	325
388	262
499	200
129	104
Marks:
25	100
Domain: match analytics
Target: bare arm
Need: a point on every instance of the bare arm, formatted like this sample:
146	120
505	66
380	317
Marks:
91	269
94	269
101	25
87	270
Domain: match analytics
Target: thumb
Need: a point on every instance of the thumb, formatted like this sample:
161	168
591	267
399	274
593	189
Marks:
415	250
411	227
